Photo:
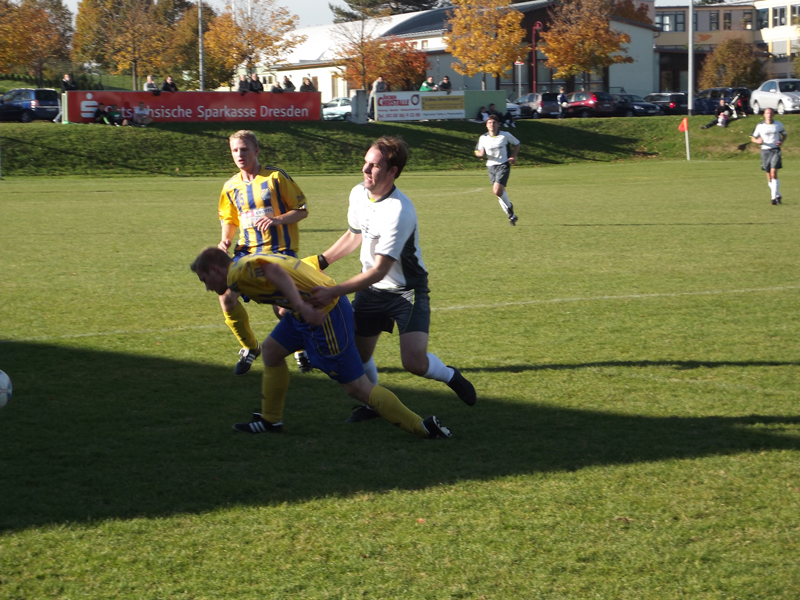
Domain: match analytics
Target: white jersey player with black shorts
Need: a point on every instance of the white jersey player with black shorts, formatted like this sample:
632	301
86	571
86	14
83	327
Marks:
392	287
500	149
771	135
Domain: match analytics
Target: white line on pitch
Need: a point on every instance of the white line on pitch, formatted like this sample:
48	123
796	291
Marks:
444	308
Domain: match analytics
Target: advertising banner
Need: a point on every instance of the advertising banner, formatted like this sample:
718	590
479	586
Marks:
194	107
416	106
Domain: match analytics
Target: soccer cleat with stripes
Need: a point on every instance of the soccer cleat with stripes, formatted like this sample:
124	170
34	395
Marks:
303	362
258	425
436	431
246	358
462	387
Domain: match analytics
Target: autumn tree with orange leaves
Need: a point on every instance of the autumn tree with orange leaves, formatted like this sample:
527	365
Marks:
402	66
34	35
485	36
580	38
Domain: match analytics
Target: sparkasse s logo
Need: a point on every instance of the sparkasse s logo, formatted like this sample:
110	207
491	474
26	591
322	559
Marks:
88	107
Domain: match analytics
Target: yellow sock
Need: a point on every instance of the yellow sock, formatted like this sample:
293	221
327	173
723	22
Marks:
274	385
390	408
239	322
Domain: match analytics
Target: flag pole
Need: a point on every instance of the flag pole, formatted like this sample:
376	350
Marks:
684	126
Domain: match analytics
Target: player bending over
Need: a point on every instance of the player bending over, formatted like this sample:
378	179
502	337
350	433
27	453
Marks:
326	334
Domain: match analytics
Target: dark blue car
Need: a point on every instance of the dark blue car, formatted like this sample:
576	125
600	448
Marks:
708	100
27	104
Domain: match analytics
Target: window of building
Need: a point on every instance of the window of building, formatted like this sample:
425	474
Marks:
671	21
763	18
680	22
424	43
695	21
713	23
778	16
726	21
795	14
747	20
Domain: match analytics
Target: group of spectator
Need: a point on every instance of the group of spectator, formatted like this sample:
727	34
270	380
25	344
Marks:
506	119
168	86
429	85
254	85
112	115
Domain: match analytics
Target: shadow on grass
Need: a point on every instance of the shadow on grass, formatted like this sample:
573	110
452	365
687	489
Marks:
92	435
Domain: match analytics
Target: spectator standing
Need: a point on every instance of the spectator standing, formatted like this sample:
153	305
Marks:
255	84
67	85
288	86
445	85
379	85
169	85
429	85
244	85
150	85
562	103
307	85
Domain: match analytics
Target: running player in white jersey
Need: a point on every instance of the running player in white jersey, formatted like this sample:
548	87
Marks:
771	135
500	149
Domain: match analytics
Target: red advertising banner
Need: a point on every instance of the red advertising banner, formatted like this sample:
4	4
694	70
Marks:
173	107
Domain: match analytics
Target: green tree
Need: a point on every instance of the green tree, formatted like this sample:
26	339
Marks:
733	63
580	38
183	51
485	36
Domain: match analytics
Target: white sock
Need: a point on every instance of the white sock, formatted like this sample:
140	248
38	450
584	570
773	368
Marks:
777	187
438	370
771	185
505	204
371	370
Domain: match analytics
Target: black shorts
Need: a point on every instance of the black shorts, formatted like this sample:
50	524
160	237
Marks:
499	173
771	159
379	310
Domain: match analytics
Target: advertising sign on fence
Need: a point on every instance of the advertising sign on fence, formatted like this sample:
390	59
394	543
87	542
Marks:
416	106
206	107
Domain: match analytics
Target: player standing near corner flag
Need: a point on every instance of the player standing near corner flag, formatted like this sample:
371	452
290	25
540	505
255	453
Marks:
265	204
771	135
495	146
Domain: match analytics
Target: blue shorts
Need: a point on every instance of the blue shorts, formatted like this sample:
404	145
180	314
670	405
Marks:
330	347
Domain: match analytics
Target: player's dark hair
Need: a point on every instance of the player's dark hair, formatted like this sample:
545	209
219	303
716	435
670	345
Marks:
493	117
395	150
210	256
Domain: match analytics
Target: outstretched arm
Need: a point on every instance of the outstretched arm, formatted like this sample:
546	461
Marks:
324	295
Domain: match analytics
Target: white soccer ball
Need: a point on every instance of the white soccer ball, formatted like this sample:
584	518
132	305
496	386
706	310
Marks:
5	389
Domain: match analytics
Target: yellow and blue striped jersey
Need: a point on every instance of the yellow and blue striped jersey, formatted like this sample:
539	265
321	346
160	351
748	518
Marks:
271	193
246	276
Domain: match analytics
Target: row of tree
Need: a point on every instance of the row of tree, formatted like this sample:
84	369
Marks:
143	36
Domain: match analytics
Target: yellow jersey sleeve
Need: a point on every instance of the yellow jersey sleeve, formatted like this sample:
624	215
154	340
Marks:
247	277
228	212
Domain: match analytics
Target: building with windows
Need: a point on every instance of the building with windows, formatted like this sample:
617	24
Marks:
771	26
316	58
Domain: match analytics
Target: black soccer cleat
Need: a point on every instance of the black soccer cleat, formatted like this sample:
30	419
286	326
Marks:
463	388
362	412
778	199
303	362
436	431
246	358
258	425
512	220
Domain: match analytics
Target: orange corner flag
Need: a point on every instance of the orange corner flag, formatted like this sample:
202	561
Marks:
684	126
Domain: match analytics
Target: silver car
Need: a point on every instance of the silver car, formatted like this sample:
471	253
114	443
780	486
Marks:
783	95
337	109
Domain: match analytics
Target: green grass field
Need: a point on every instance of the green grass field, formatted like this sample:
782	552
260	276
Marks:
635	343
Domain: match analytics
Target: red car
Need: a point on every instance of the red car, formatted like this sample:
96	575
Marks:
590	104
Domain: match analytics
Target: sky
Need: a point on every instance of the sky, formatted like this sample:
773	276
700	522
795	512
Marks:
311	12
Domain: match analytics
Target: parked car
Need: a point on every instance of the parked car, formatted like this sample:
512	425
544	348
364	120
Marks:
514	109
631	105
783	95
670	103
337	109
27	104
590	104
536	106
707	101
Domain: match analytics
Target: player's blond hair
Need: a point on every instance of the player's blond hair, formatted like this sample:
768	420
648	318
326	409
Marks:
246	135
